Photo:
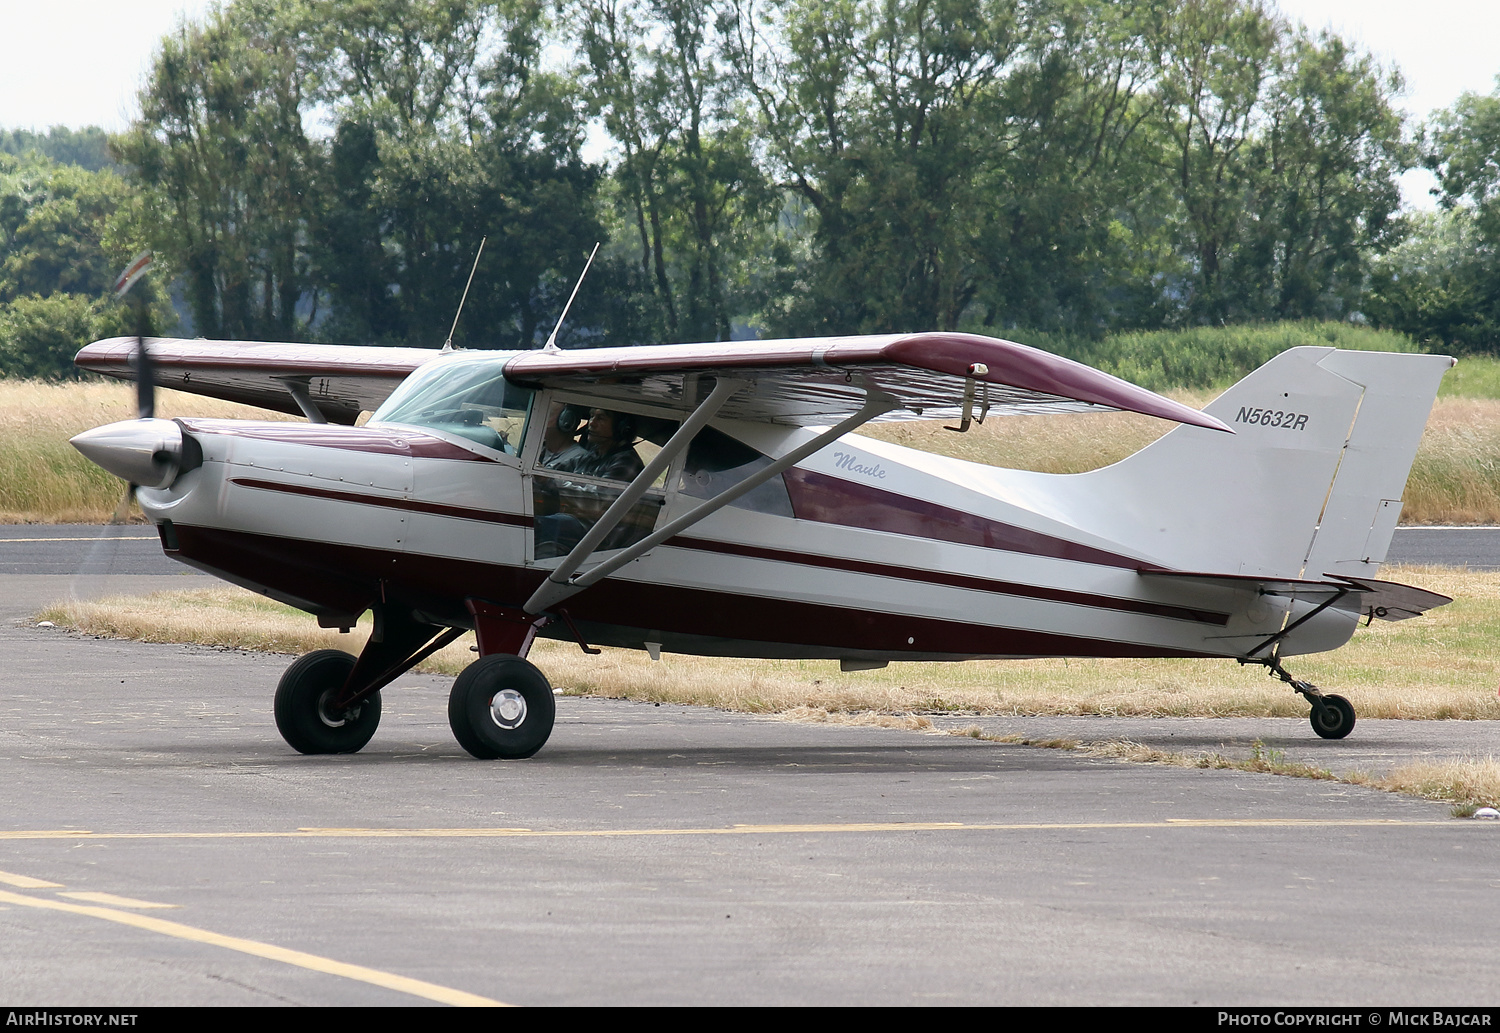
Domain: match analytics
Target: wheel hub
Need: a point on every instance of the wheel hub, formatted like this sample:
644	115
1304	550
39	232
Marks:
334	718
508	708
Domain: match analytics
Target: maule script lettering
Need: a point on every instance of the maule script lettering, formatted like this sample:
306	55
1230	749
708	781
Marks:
850	462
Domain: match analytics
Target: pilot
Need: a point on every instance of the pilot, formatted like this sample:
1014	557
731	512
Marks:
609	453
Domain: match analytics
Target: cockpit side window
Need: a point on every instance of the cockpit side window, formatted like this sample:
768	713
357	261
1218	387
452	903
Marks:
587	456
471	399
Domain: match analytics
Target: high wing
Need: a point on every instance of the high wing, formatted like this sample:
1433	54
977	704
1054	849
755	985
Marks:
339	380
816	381
803	382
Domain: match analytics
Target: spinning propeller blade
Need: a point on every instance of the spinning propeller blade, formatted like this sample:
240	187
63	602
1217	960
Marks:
145	380
145	409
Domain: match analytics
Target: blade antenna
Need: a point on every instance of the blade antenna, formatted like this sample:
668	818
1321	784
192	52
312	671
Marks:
448	344
551	345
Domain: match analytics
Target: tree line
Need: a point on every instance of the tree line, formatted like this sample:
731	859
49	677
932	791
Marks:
325	170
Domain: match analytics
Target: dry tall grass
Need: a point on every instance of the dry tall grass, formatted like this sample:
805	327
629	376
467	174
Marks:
43	479
1466	783
1443	665
1456	478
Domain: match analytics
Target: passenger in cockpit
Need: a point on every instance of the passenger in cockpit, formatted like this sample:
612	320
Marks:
560	437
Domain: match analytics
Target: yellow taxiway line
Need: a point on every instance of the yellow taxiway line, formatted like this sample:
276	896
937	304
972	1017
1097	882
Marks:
732	830
301	959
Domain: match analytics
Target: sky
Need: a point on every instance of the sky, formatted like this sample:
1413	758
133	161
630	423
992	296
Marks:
84	60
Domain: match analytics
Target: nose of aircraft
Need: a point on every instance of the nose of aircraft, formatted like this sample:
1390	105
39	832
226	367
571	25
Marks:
144	452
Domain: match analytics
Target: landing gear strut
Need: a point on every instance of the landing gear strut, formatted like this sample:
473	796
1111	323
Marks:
1332	717
501	706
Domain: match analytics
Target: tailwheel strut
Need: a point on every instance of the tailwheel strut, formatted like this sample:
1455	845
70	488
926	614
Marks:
1332	716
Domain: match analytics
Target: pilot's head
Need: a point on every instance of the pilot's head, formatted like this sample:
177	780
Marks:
609	430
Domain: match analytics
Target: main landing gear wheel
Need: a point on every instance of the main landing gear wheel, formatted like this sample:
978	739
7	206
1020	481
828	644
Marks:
1335	720
304	715
501	707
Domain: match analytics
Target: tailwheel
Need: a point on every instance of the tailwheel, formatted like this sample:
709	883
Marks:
1334	719
304	709
501	707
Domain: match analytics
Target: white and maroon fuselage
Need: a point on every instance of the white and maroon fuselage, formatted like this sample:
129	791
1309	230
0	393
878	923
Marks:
886	554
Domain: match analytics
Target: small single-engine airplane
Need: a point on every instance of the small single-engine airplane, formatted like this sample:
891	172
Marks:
713	499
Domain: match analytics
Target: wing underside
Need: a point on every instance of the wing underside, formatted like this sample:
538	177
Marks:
817	381
340	381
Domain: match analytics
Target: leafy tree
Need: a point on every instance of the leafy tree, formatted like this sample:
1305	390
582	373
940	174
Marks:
54	228
87	147
692	193
1325	196
40	335
877	116
221	152
447	131
65	232
1442	286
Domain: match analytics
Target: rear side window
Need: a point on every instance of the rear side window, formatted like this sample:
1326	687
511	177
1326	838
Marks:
717	462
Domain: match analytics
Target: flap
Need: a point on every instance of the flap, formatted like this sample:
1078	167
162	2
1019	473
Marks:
341	380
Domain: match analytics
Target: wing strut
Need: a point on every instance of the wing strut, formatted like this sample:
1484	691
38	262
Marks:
554	590
297	387
548	591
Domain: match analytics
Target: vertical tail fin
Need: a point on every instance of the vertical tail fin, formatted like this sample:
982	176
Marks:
1309	484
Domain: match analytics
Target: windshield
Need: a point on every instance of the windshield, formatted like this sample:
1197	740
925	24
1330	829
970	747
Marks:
464	395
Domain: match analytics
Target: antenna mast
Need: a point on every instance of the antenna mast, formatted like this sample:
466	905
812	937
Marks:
551	345
448	344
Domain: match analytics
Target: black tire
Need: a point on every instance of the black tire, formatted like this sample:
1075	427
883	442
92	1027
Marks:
302	714
501	707
1339	721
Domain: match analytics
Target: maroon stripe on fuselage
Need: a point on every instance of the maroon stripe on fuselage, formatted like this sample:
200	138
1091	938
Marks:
411	443
938	577
832	500
439	584
409	505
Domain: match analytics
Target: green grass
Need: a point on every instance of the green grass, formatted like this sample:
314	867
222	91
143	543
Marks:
1474	377
1207	357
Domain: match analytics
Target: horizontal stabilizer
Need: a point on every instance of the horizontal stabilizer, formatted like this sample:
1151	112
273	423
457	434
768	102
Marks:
1377	600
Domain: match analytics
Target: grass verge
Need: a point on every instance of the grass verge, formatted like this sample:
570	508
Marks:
43	479
1467	784
1439	666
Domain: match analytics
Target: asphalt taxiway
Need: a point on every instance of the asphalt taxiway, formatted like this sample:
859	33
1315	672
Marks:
159	845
